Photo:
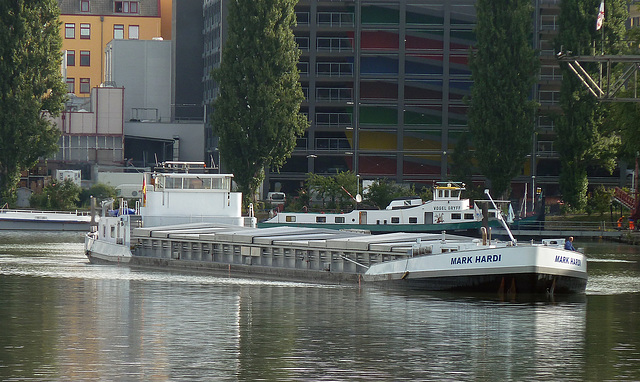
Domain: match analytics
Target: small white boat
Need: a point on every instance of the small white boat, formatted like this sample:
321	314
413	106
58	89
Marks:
175	193
44	220
448	211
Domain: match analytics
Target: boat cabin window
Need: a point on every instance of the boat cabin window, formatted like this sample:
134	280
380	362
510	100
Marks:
395	220
339	219
455	193
321	219
413	220
192	182
441	193
456	216
290	219
492	214
468	216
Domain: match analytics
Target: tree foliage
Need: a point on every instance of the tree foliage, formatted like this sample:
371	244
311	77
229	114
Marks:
31	88
335	188
599	200
582	136
99	191
57	196
381	192
625	115
257	113
503	69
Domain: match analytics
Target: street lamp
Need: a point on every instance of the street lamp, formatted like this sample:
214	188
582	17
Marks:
358	196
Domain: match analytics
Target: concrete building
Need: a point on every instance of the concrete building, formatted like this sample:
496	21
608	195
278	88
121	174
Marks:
143	68
151	133
92	134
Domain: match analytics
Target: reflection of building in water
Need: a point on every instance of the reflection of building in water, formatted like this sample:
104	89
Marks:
286	333
162	326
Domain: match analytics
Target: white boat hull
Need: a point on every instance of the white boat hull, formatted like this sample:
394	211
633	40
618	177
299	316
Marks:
529	269
103	252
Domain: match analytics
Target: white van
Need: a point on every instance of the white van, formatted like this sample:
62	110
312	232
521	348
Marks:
276	198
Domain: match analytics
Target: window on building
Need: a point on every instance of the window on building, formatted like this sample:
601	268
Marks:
125	7
69	30
84	6
71	85
85	85
85	58
118	31
134	32
71	58
85	30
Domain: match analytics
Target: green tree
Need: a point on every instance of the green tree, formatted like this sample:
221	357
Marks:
320	186
462	160
57	196
336	188
503	69
582	137
257	113
625	115
99	191
381	192
599	200
31	89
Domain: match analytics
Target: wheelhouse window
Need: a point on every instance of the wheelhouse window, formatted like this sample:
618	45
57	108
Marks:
85	58
85	86
71	58
69	30
118	31
85	31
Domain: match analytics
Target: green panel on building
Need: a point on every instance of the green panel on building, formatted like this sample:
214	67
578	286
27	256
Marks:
372	14
376	115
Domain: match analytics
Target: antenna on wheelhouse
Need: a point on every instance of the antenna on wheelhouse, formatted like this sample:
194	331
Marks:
499	213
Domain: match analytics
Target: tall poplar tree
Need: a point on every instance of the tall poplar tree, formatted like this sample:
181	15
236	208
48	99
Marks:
582	136
503	69
31	87
257	113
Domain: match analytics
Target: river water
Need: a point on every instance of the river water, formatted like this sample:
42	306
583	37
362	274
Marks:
62	319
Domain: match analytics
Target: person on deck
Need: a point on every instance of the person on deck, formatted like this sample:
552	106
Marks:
568	244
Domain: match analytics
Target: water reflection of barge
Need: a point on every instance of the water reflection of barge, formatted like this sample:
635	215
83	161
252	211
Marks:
180	231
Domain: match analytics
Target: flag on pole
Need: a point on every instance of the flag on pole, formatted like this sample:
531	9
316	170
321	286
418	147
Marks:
600	16
144	190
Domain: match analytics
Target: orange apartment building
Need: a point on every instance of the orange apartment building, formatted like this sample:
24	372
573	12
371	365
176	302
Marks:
88	25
